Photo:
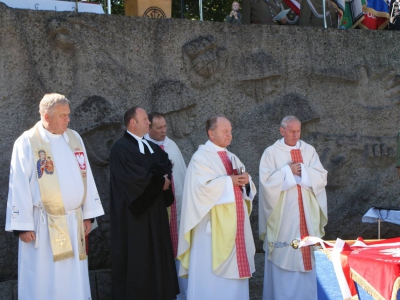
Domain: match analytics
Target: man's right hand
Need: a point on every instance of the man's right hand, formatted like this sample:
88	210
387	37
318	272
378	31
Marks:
296	168
240	180
166	183
27	236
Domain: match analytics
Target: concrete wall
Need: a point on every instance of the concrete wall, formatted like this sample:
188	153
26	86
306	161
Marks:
343	85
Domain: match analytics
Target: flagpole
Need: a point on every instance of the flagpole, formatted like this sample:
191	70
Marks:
182	8
324	12
109	7
201	9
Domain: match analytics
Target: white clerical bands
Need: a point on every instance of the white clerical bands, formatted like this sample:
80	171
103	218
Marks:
141	147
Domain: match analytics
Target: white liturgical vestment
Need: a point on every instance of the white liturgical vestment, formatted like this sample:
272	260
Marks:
178	173
38	276
208	187
285	276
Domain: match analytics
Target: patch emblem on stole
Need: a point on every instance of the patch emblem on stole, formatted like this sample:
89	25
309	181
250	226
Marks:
44	164
80	157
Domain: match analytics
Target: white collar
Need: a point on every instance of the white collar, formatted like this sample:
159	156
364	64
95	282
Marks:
141	141
213	146
43	133
164	142
231	156
297	146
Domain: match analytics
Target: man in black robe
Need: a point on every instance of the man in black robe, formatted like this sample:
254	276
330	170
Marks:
143	266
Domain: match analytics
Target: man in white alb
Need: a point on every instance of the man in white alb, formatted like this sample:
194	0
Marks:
51	200
292	204
216	246
158	135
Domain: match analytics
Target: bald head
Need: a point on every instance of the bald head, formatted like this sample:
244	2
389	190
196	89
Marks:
219	130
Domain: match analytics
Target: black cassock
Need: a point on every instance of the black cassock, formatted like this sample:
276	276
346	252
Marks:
143	266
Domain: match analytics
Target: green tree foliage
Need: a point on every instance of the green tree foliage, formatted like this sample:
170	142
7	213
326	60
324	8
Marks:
213	10
117	6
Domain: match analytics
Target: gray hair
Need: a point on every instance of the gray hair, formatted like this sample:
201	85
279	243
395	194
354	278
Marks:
49	101
211	123
287	120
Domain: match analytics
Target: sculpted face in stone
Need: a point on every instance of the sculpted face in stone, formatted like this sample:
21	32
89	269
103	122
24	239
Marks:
98	142
182	122
291	134
57	119
221	135
158	129
140	124
99	126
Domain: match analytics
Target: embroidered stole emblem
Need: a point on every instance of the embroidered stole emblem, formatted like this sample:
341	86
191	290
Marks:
305	251
241	253
51	194
44	164
173	221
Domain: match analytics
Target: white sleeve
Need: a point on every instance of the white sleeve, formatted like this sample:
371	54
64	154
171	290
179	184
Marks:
20	199
289	181
228	195
305	179
92	207
253	191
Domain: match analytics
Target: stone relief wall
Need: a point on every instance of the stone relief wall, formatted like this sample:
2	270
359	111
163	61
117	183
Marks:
343	85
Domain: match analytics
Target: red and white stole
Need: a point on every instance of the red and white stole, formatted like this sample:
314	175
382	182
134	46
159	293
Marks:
241	253
173	222
306	252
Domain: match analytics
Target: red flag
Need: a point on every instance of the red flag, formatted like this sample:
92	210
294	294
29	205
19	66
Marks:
293	5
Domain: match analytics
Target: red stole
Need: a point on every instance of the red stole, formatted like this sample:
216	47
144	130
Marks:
305	251
173	223
241	253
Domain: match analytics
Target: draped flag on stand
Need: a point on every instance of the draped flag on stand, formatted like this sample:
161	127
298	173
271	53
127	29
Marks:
351	12
375	266
376	14
367	14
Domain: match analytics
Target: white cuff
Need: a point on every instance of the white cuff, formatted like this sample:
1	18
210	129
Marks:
253	191
290	181
305	179
228	195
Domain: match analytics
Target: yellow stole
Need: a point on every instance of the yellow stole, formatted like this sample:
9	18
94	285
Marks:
51	194
223	234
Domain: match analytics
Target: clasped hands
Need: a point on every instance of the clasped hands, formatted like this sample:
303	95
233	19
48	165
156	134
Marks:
240	180
296	168
234	14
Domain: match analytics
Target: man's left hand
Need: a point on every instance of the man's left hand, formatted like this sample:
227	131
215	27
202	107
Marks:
87	226
242	179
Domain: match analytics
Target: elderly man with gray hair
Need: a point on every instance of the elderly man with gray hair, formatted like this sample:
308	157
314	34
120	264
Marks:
51	200
292	204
